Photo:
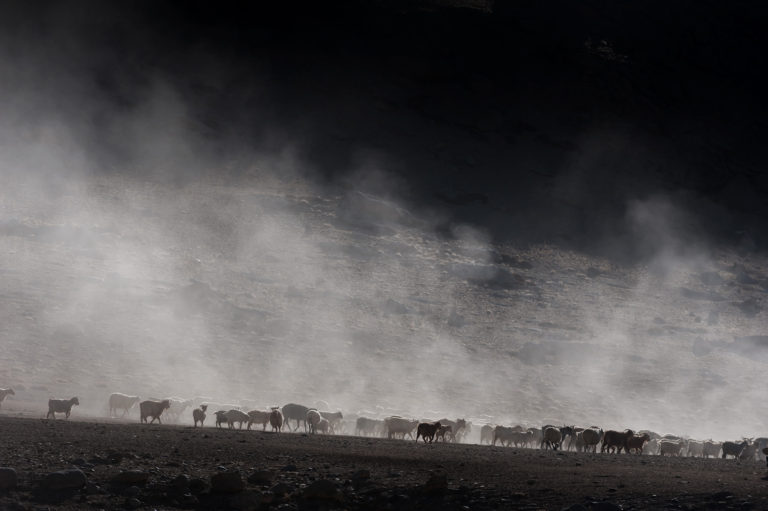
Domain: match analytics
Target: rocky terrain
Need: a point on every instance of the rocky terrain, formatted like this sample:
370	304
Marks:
108	465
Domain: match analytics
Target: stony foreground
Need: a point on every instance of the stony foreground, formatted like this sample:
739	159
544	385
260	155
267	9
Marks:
108	465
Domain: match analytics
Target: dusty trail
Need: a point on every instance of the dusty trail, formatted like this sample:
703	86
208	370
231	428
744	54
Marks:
360	472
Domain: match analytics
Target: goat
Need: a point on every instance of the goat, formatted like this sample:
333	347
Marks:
671	447
616	440
444	431
121	401
233	416
733	449
365	426
276	419
711	448
486	434
198	415
335	419
637	442
312	418
426	430
399	426
61	406
259	417
292	411
153	409
552	438
324	426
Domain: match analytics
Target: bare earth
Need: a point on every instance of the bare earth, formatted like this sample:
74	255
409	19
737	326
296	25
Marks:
356	472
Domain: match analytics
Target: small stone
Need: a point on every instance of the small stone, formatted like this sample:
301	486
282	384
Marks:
227	482
261	477
197	485
133	503
65	480
114	457
322	489
246	501
132	491
93	489
181	482
436	484
8	478
281	489
131	477
188	500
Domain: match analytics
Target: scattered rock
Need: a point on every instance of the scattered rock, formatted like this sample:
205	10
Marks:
95	489
261	477
114	457
227	482
514	262
322	489
246	501
749	308
593	272
436	484
188	500
131	477
289	468
65	480
197	485
360	477
180	482
281	489
605	506
711	278
700	295
8	478
132	491
575	507
133	503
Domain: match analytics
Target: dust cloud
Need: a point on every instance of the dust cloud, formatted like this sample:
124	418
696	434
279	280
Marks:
133	258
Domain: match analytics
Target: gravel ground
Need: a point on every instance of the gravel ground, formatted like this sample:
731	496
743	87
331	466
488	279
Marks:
166	467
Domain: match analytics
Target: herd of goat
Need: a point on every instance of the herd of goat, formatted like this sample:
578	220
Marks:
446	430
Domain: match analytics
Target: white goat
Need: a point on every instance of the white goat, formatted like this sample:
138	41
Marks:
233	416
258	417
671	447
124	402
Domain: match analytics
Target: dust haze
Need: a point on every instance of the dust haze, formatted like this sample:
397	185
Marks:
141	254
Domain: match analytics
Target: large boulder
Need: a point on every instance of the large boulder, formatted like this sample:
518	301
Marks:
72	479
8	478
227	482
